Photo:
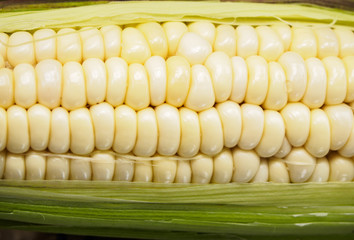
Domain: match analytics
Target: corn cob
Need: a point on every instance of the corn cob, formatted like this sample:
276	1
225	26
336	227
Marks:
170	101
196	84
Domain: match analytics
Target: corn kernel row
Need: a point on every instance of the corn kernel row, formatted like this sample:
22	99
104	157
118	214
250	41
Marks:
235	165
272	85
168	130
195	42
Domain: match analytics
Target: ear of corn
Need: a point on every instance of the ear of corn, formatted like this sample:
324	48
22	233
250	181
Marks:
202	93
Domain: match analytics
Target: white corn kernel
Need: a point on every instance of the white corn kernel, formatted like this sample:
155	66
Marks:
112	38
225	40
285	34
278	172
18	139
80	169
277	95
135	48
3	129
304	42
348	149
4	38
341	168
174	32
327	42
223	167
257	80
35	165
178	80
194	48
284	149
273	134
231	119
341	122
202	169
212	140
315	93
156	38
297	120
240	79
247	41
270	44
246	165
68	46
82	139
147	134
49	83
117	80
20	49
169	129
164	170
45	44
103	124
58	168
300	165
143	171
252	126
349	67
203	29
6	88
39	126
15	167
346	41
74	86
262	174
319	140
157	74
59	138
220	69
183	172
25	85
96	80
102	166
190	133
138	94
336	80
92	43
124	170
321	172
296	75
125	129
201	93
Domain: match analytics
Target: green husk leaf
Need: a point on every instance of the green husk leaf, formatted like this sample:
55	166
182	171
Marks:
136	12
10	6
240	194
192	211
158	234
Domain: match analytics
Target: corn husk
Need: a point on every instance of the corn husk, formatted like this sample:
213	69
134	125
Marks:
142	11
192	211
175	211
